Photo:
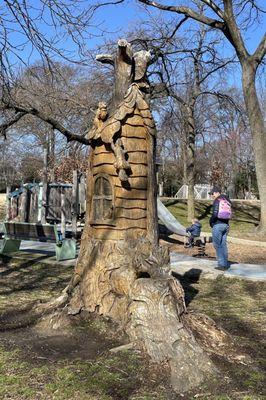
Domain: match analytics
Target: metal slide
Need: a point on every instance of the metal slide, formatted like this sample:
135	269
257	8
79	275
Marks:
169	220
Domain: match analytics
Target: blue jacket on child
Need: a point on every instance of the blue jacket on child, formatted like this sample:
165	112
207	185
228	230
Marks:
194	229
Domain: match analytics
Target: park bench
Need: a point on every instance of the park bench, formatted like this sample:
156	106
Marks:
14	232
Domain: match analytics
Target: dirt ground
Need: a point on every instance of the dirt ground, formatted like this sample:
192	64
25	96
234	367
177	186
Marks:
76	363
237	253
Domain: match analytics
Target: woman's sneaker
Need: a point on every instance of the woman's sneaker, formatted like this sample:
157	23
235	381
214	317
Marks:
222	268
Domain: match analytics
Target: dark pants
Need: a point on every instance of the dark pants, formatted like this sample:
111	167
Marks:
219	236
191	240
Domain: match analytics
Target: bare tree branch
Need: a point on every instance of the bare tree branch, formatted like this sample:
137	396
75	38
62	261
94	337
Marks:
188	12
214	7
6	125
70	136
260	52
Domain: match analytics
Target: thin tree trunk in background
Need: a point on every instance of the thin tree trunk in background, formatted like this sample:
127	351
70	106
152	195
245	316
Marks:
184	160
190	151
258	133
8	203
44	183
63	213
23	209
74	205
52	154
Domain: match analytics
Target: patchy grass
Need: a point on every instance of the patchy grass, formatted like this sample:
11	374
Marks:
245	217
78	364
109	377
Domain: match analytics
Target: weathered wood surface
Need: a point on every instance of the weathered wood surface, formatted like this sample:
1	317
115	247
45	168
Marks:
134	144
103	158
130	194
26	231
130	131
128	280
134	121
138	170
130	213
136	291
137	157
134	183
152	216
118	234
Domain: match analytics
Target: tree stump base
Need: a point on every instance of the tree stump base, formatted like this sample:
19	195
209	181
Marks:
131	283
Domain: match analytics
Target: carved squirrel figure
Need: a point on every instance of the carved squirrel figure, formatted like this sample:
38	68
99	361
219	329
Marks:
101	115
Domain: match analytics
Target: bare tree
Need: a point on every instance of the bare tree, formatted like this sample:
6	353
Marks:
228	17
185	72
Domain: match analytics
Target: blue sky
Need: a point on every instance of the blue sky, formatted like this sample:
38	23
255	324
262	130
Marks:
111	22
123	15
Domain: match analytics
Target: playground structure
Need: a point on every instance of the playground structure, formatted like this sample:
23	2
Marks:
54	203
201	192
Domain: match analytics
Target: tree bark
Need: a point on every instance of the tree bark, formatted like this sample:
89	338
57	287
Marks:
126	276
190	160
258	132
44	183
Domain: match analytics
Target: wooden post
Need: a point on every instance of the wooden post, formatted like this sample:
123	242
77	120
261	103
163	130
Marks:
44	185
63	212
8	203
74	204
23	209
161	189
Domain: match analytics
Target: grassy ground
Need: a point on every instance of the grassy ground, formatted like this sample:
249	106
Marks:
245	217
77	364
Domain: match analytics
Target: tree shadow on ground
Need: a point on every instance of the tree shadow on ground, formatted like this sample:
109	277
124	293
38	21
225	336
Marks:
6	260
187	281
32	275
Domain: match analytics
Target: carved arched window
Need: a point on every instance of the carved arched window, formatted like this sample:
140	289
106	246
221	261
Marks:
102	201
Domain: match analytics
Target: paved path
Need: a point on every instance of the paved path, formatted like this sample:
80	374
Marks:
181	264
189	266
39	251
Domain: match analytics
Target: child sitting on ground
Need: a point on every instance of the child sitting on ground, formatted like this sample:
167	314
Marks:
193	231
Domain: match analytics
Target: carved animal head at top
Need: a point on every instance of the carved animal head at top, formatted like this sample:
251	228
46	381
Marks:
129	67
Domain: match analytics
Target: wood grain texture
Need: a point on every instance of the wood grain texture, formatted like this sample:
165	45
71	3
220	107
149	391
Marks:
103	158
134	131
152	217
134	144
104	169
137	157
131	203
134	183
130	213
130	194
135	120
134	172
108	234
101	150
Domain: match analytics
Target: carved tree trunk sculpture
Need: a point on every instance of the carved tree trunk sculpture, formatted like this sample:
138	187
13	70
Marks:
121	271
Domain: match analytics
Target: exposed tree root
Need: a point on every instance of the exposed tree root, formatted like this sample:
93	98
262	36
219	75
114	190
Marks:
131	284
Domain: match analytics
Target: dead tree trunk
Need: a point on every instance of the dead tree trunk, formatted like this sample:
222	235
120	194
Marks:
121	271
